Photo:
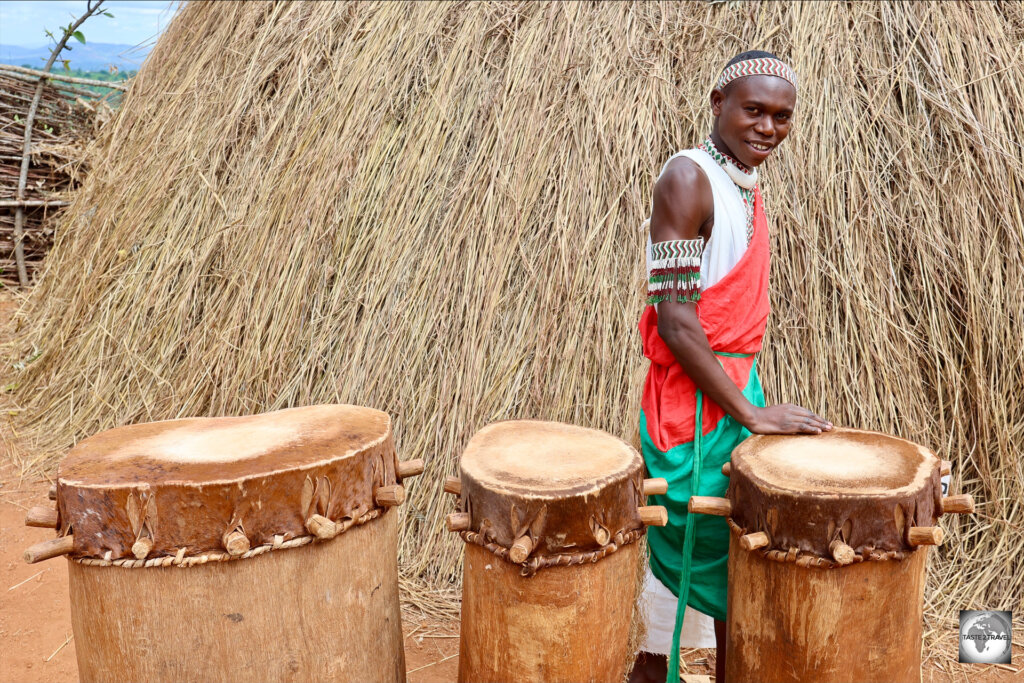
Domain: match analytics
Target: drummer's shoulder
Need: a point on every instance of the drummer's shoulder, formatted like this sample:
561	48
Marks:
682	200
682	174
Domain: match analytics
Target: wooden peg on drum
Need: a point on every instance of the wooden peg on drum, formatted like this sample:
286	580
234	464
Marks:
841	553
521	549
924	535
458	521
236	543
653	515
142	547
710	505
960	504
41	517
389	496
321	527
452	485
410	468
48	549
655	487
758	539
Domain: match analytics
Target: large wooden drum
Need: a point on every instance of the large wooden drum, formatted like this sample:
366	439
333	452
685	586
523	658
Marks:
234	549
827	555
551	515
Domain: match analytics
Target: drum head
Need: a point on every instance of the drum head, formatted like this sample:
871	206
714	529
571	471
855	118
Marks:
841	461
537	459
211	449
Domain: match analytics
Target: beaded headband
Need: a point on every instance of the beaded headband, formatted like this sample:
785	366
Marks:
759	66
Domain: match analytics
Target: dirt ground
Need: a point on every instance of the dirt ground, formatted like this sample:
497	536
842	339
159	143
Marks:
36	642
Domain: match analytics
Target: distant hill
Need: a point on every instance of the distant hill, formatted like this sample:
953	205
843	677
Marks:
90	57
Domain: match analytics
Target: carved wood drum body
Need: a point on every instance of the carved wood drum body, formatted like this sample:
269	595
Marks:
551	515
826	559
236	549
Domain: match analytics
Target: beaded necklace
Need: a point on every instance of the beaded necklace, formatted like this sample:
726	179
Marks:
744	178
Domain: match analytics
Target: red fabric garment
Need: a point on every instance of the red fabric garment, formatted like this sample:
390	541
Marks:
734	313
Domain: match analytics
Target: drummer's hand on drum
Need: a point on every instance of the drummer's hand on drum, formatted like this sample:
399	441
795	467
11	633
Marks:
785	418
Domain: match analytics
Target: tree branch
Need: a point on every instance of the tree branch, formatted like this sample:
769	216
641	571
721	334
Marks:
19	215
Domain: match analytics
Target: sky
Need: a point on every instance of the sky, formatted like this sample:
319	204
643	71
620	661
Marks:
135	21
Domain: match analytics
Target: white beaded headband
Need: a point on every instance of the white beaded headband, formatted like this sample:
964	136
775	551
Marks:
758	66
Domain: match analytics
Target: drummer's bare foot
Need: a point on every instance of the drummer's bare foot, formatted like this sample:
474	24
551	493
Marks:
649	668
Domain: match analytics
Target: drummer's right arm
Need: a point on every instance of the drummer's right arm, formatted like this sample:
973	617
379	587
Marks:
684	210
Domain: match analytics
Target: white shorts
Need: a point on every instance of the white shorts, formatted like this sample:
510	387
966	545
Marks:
660	607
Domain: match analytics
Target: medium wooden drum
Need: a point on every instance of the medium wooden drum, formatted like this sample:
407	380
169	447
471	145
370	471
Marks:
551	515
234	549
827	555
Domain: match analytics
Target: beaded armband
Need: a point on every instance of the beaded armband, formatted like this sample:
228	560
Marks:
675	271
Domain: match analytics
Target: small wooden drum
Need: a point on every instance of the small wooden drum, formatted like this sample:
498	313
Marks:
234	549
551	515
827	556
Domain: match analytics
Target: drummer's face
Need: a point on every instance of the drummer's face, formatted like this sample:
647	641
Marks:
753	115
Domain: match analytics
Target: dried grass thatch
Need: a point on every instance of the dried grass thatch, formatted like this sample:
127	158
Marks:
435	209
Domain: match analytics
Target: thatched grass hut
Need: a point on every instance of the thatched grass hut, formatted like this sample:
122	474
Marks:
435	209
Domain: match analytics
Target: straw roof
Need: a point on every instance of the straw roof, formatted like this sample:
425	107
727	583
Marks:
435	209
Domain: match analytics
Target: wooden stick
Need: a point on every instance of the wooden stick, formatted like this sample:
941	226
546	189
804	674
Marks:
42	517
236	543
655	487
841	553
924	535
727	469
945	467
458	521
758	539
321	527
521	549
410	468
653	515
30	203
141	548
52	493
116	85
51	548
963	503
390	495
453	485
709	505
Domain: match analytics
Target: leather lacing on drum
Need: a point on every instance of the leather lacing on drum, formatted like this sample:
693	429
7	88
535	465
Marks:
181	560
538	562
802	559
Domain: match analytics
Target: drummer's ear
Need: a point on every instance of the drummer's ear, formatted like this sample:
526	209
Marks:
717	98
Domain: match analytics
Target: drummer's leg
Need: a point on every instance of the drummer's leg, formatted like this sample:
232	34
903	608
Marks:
720	653
649	668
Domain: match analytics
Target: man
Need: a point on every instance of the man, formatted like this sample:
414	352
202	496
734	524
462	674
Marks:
707	309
